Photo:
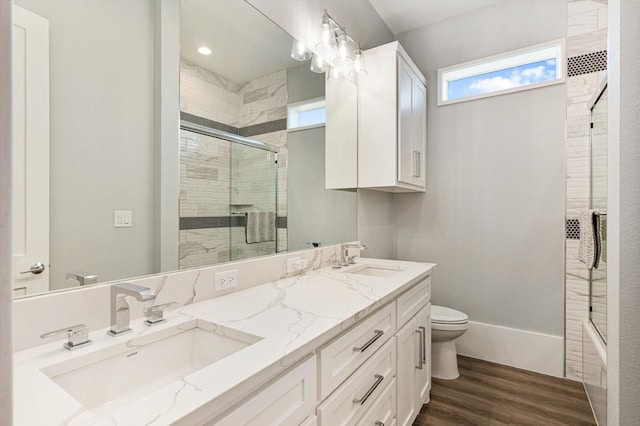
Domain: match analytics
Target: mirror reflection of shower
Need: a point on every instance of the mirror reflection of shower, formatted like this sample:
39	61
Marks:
228	197
599	146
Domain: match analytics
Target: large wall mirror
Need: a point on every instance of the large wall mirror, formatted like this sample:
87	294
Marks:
247	185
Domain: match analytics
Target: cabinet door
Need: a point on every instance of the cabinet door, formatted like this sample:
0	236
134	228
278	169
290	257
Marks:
408	360
406	154
419	132
422	381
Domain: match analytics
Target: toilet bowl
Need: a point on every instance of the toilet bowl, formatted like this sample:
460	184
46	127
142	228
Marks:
446	325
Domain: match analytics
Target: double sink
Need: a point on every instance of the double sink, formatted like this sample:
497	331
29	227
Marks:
105	379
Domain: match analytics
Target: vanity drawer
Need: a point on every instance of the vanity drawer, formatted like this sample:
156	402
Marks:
383	411
340	358
412	301
357	394
290	400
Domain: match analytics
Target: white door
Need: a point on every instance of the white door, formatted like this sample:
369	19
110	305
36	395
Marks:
406	153
30	202
419	132
423	375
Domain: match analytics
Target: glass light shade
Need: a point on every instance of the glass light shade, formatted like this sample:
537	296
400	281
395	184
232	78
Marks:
317	64
358	64
328	44
345	57
299	51
333	74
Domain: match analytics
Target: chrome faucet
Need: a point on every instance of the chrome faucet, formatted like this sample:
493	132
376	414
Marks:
348	259
120	308
84	278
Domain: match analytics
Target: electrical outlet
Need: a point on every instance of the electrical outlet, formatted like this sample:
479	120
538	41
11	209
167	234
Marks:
292	264
226	279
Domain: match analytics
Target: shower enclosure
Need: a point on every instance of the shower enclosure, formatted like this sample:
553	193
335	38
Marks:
598	276
594	334
222	177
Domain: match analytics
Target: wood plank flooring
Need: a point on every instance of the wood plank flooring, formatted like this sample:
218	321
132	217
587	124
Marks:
493	394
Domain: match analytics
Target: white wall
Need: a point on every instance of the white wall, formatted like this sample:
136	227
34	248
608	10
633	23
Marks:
375	223
101	135
6	289
623	294
493	214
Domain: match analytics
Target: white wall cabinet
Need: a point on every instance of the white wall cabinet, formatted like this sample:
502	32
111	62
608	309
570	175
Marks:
392	122
341	135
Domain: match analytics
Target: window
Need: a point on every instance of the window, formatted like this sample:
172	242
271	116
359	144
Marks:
528	68
311	113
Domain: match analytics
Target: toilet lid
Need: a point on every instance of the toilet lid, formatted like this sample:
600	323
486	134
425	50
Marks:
442	314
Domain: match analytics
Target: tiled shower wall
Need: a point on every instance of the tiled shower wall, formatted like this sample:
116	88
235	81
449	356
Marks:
257	109
586	52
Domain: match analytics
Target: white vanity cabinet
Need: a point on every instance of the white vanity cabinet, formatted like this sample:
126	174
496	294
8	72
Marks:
289	400
392	122
413	342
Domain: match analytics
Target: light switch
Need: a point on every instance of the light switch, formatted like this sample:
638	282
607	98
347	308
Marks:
122	219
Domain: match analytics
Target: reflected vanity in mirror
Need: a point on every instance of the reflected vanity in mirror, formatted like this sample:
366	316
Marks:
235	166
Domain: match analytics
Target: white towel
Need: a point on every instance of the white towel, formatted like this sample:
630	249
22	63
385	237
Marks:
588	250
260	226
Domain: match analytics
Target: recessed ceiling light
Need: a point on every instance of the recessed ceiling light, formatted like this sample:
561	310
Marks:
204	50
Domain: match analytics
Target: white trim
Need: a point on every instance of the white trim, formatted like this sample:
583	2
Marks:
313	126
499	62
542	353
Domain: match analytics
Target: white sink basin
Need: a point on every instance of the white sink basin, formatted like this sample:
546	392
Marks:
373	270
107	378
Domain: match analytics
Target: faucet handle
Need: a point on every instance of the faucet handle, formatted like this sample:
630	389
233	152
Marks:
77	336
155	313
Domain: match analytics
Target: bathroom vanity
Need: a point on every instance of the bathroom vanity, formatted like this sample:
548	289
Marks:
329	346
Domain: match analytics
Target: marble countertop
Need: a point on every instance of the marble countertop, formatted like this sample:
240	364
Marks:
291	317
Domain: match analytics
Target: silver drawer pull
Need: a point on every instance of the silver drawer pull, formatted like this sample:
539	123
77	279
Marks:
420	350
364	347
424	344
372	389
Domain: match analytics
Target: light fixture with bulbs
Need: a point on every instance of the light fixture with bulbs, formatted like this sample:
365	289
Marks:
337	53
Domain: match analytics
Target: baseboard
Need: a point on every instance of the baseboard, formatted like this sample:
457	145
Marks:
542	353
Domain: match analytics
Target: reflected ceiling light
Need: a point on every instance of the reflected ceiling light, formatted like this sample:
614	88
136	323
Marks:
299	51
317	64
204	50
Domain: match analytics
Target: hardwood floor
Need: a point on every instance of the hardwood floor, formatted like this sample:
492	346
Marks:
493	394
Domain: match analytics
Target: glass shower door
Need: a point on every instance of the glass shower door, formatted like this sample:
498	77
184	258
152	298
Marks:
599	146
253	188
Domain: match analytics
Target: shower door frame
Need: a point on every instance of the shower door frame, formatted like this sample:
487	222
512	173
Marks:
232	138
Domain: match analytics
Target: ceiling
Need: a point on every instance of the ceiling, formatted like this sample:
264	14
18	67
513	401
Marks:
238	54
407	15
247	45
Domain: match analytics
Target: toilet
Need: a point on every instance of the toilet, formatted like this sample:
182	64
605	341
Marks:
446	325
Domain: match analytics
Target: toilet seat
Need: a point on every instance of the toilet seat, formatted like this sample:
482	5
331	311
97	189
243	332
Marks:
445	316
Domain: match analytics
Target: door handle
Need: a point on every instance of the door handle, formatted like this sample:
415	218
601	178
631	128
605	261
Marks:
424	344
420	350
414	154
36	268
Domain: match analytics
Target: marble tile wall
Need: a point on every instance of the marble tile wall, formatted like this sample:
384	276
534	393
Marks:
90	305
586	34
242	177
